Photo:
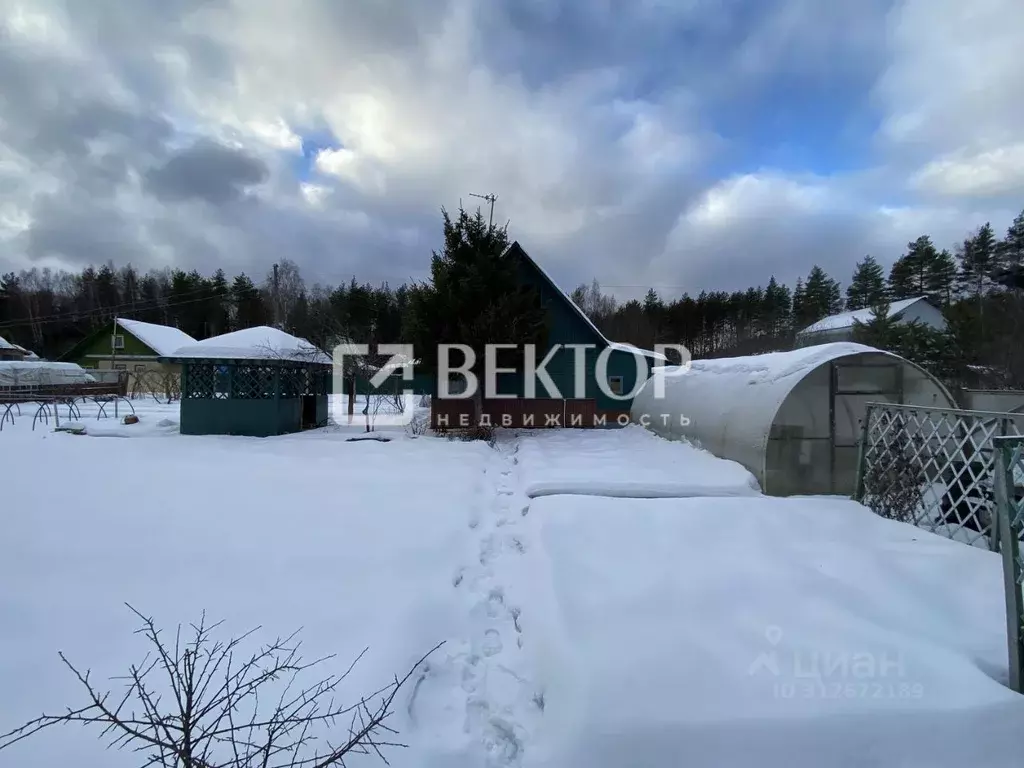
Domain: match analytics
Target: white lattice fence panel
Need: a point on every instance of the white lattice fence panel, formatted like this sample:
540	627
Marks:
934	468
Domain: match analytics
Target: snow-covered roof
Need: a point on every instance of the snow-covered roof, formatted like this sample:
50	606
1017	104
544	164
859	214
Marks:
29	354
162	339
847	319
259	343
5	344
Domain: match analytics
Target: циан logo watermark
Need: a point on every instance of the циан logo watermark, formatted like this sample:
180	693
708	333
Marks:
386	375
833	674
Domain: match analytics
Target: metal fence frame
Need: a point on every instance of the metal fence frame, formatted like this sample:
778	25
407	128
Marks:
1010	513
941	463
934	441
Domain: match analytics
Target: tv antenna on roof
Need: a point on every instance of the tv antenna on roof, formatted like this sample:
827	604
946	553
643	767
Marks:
490	199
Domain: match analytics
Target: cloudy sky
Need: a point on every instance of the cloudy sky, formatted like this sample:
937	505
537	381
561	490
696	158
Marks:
697	144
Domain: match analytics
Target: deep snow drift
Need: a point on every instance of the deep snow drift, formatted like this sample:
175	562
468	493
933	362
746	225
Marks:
627	462
769	632
579	631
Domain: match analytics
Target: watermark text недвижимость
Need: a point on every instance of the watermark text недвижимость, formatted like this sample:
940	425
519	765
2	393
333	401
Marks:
462	381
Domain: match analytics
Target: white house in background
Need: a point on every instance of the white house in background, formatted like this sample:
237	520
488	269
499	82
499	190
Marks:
840	327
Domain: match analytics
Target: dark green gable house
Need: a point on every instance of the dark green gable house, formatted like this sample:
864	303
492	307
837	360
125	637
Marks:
129	345
579	399
257	382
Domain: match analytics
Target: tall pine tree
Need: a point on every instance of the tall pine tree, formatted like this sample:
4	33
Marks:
1011	255
909	275
940	279
978	263
868	285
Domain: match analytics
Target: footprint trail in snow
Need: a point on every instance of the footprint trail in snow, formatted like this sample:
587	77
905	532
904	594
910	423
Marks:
501	698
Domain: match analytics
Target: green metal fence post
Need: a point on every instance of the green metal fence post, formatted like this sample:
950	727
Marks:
1007	459
997	458
862	449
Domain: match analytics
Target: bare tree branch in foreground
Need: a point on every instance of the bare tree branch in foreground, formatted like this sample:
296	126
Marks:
198	702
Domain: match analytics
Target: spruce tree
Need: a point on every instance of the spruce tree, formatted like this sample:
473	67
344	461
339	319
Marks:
475	297
868	284
652	304
776	307
250	308
822	295
799	313
880	330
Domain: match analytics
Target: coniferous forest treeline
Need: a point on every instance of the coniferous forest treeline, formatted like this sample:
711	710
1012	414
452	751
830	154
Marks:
978	284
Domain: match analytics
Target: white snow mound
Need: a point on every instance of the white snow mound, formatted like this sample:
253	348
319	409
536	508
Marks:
631	462
259	343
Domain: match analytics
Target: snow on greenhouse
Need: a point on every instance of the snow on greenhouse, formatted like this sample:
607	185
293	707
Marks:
792	418
35	373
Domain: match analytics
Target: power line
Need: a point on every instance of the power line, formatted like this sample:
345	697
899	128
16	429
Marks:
72	316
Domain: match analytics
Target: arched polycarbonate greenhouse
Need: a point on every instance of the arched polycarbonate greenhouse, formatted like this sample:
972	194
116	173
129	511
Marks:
794	419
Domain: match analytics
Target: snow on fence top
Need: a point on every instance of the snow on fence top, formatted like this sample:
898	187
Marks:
162	339
31	373
260	343
847	319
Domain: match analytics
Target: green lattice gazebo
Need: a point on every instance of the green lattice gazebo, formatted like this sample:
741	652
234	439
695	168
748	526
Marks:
257	382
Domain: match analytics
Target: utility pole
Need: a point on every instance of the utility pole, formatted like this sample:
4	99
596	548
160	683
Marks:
276	301
490	198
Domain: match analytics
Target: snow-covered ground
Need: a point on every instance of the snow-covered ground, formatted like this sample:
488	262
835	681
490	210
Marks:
579	630
592	462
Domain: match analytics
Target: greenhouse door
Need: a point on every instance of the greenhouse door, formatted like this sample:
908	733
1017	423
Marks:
854	385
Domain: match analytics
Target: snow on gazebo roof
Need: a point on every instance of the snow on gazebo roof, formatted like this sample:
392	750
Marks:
259	343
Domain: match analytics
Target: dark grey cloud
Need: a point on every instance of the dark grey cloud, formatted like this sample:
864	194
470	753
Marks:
206	171
54	110
81	230
713	47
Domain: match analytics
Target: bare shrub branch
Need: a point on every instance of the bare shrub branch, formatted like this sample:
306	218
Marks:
200	702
